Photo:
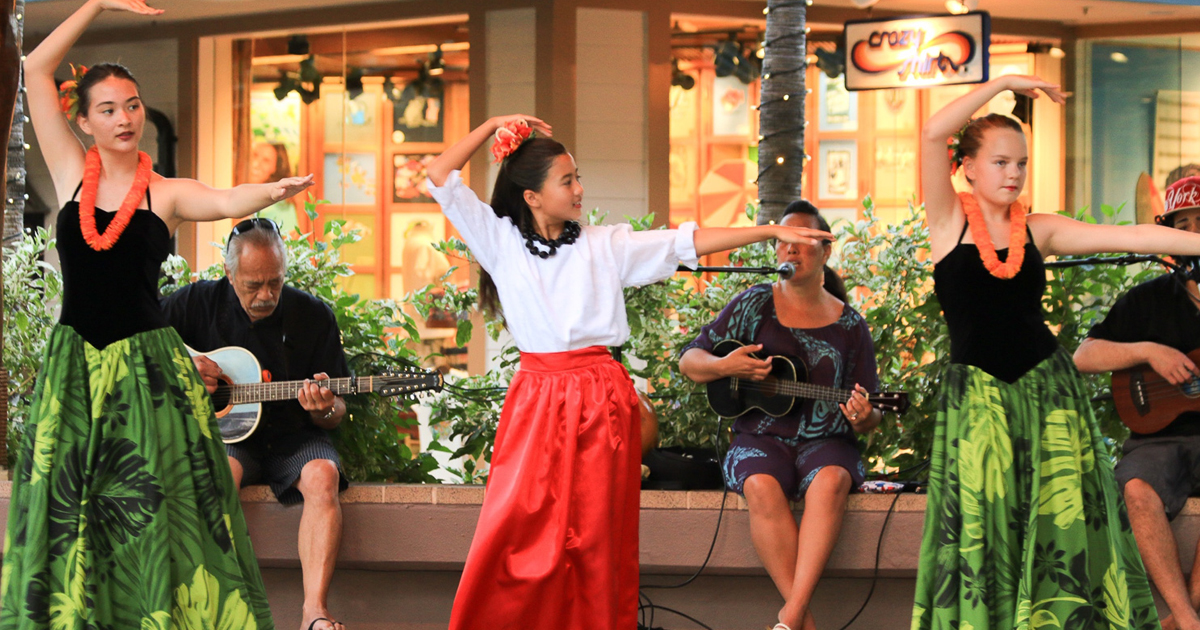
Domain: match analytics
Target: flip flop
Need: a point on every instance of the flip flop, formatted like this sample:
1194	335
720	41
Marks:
312	626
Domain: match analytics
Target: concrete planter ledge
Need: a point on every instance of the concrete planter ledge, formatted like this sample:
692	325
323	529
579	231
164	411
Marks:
429	528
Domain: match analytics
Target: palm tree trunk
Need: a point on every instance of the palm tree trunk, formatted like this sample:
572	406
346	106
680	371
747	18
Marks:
781	113
12	185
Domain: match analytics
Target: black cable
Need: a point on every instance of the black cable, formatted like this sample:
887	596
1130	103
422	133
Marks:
716	531
676	612
918	467
875	575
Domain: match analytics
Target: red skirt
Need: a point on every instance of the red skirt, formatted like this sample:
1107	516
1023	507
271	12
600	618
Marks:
557	541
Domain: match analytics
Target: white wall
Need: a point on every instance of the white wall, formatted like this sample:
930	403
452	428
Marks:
610	135
511	67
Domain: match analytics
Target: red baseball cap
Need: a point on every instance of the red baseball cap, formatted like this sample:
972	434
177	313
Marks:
1182	195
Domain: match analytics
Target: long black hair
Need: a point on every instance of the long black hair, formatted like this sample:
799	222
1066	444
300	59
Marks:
96	74
833	282
525	169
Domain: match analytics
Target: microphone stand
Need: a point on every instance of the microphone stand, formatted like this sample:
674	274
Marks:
785	270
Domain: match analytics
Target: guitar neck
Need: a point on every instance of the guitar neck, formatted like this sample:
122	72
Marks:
802	390
286	390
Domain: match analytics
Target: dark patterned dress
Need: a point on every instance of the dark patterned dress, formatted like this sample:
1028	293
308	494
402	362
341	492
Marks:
815	434
1023	524
123	511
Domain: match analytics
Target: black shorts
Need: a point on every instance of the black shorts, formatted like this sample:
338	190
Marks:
282	472
1170	465
793	463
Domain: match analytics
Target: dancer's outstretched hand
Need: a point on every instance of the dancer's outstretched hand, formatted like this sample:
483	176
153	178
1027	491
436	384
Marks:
132	6
289	186
1030	85
803	236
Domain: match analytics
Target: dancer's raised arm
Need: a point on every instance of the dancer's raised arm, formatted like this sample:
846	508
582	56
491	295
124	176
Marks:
59	145
456	157
936	187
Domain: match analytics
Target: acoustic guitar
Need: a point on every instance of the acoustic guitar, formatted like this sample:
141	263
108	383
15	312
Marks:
731	397
1147	403
238	399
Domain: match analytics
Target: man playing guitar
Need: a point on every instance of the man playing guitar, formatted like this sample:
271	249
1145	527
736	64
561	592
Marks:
294	336
1155	324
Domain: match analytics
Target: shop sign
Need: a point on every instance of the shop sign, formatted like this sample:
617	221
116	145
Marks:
917	51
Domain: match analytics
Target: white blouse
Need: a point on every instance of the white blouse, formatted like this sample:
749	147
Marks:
572	299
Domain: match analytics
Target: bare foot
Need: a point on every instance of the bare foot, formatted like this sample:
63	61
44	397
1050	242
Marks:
319	620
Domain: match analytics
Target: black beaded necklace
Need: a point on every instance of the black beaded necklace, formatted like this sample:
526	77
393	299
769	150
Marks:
570	232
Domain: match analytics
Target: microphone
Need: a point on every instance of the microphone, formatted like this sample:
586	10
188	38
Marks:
786	271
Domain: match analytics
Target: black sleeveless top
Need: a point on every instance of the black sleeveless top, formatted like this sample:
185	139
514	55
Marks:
995	325
113	294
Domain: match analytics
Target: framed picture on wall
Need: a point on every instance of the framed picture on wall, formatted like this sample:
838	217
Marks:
730	107
837	168
896	111
408	177
350	178
839	107
417	114
895	169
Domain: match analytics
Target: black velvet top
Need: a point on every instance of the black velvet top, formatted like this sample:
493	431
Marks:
112	294
995	325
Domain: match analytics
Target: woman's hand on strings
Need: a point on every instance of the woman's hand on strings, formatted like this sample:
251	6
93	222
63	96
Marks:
740	364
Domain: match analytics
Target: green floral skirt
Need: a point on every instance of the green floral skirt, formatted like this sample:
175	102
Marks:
1024	527
123	512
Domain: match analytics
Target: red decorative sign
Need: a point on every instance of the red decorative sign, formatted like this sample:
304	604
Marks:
917	51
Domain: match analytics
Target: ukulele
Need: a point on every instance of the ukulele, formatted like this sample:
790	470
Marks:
731	397
1147	402
239	397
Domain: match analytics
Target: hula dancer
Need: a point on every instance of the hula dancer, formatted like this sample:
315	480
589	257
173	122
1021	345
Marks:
123	512
557	541
1024	527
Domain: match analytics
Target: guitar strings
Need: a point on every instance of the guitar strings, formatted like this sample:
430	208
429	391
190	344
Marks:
806	390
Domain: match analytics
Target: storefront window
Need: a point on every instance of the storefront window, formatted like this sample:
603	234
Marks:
364	110
860	143
1141	116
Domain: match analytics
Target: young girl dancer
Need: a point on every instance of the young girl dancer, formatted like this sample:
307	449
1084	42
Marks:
557	541
1023	527
123	512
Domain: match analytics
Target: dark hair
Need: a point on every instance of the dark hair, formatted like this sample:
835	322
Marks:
96	74
525	169
1186	170
283	166
833	282
972	134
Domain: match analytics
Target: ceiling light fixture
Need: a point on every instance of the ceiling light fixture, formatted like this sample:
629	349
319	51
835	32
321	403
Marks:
958	7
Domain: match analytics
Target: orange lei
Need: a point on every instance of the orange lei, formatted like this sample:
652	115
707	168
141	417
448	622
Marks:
983	240
87	201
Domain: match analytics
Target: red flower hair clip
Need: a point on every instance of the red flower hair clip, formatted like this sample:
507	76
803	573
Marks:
954	149
509	137
68	94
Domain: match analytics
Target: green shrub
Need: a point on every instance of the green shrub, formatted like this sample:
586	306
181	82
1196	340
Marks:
32	290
